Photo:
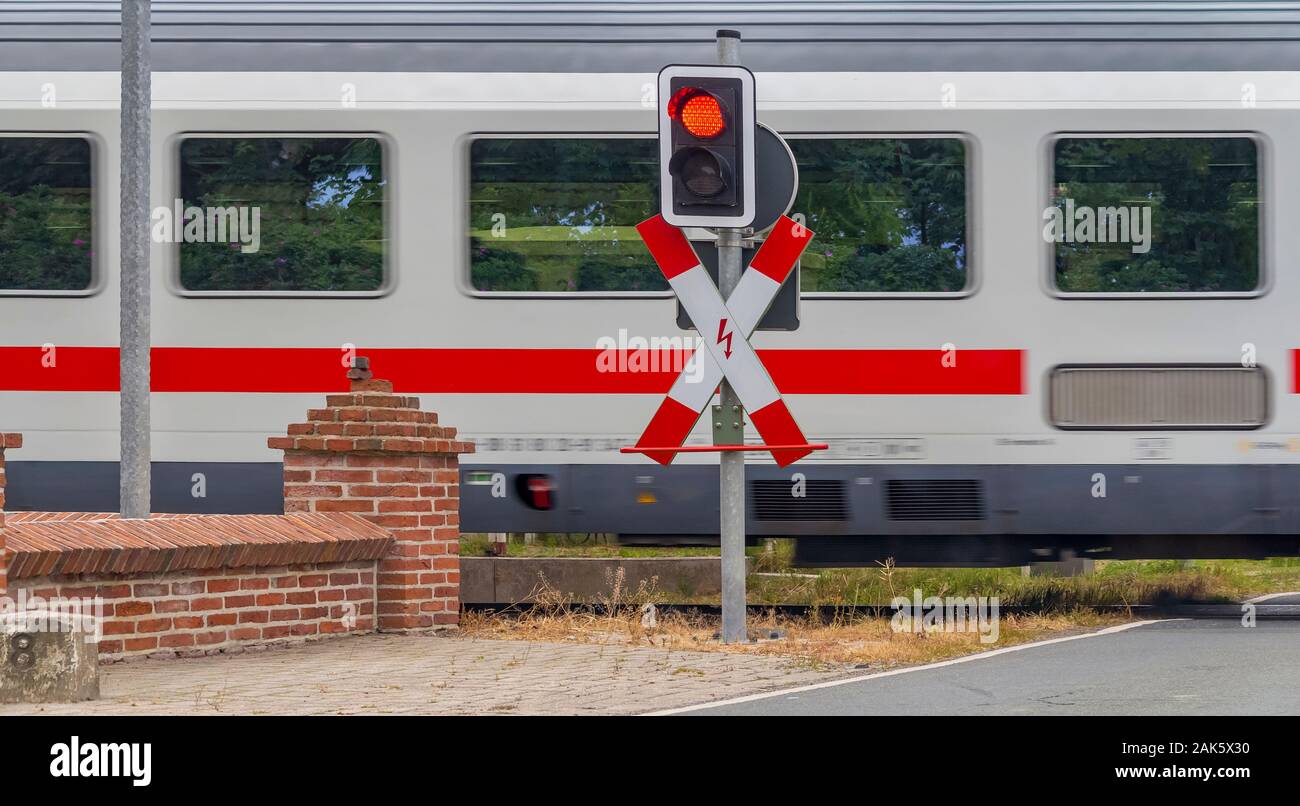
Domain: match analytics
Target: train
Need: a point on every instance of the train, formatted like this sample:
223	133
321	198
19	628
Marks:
1047	311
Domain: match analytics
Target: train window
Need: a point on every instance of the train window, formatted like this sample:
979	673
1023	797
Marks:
1154	215
46	216
281	214
557	214
889	214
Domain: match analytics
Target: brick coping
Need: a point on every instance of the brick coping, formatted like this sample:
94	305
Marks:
101	543
371	419
60	517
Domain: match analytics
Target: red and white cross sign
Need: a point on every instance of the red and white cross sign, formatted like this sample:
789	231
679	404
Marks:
725	327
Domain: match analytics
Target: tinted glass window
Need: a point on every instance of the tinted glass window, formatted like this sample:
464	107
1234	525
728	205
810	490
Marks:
558	214
46	237
282	214
889	214
1155	214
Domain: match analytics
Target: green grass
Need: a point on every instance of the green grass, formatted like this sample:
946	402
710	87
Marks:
1126	582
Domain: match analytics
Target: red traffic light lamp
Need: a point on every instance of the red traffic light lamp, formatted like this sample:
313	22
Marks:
699	111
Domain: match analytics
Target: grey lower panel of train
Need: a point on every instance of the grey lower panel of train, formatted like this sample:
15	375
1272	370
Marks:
848	514
901	499
961	515
234	488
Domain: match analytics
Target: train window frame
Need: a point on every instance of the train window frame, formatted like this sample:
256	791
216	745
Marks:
974	277
172	181
1263	167
464	280
97	275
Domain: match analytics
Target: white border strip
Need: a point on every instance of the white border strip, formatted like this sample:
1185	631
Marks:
1267	596
937	665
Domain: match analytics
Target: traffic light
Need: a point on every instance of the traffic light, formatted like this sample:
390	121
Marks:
706	146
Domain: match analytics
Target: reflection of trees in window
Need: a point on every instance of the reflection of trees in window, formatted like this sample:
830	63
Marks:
500	269
889	214
45	214
551	214
1203	193
322	213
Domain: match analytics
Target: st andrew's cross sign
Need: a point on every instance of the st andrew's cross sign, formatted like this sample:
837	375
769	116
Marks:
725	327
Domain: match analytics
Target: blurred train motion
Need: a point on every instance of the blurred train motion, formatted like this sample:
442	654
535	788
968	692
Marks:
1049	310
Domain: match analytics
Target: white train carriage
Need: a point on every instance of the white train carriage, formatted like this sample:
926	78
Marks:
1048	308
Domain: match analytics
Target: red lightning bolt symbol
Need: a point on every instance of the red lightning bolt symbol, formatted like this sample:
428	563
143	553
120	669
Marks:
724	336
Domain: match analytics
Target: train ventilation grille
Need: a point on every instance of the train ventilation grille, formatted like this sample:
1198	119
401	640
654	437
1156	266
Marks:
1154	396
822	500
935	499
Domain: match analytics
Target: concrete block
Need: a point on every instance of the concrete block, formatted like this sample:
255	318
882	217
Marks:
47	657
478	580
1069	565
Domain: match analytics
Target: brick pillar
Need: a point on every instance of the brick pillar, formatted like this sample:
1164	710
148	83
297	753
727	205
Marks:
376	454
6	441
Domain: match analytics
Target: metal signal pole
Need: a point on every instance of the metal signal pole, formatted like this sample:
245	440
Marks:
729	426
134	312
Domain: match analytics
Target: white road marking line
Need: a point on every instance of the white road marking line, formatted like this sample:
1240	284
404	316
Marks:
1268	596
937	665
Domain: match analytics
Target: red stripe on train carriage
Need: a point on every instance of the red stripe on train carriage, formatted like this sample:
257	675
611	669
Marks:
509	370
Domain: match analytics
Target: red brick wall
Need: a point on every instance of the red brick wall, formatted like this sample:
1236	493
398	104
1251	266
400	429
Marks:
6	441
375	454
220	611
370	452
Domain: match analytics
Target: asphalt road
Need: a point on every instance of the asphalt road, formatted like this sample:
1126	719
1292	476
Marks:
1171	667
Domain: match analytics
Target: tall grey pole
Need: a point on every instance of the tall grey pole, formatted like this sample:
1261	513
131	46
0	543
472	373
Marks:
134	312
729	420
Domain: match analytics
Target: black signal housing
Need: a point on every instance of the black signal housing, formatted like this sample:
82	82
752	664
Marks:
706	140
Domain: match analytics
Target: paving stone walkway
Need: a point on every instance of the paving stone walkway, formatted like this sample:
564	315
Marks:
388	674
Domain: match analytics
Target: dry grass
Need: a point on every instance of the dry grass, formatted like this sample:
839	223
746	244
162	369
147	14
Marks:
835	639
631	618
